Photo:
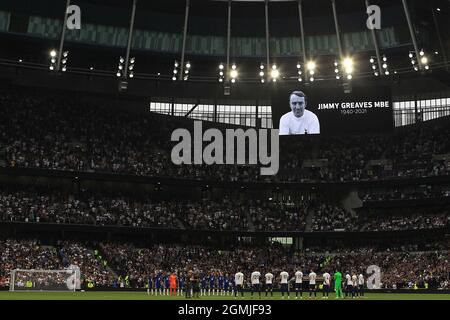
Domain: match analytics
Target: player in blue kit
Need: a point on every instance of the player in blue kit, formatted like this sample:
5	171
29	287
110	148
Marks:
203	285
220	284
166	284
150	284
158	280
212	283
226	284
180	284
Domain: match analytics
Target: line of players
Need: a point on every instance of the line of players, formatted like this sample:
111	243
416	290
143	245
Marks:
216	283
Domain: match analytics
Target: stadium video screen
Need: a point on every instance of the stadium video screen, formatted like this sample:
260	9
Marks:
328	111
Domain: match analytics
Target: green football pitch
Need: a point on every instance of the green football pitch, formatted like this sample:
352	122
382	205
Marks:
97	295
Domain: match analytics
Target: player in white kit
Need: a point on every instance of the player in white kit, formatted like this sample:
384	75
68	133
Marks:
255	283
298	284
239	283
269	283
284	284
312	283
348	285
361	285
354	285
326	285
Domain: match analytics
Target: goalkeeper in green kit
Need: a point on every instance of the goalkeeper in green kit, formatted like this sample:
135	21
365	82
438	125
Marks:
338	284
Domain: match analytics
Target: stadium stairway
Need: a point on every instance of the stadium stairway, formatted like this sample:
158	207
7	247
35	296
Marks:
251	226
309	218
99	255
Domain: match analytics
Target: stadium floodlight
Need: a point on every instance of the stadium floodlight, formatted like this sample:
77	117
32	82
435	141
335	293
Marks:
417	62
348	66
274	73
175	70
221	73
311	66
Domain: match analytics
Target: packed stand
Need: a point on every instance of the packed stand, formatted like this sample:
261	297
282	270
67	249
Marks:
66	133
330	218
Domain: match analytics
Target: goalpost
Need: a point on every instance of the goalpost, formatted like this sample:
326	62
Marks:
45	280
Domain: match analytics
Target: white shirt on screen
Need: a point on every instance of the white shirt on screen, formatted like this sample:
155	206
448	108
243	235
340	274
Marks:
306	124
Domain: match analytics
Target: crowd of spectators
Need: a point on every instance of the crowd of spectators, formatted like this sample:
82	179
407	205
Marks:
399	269
86	208
65	133
330	218
406	221
29	206
422	193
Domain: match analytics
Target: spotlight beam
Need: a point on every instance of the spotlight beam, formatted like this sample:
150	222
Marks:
412	32
266	4
227	77
302	31
63	35
130	36
183	48
336	25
